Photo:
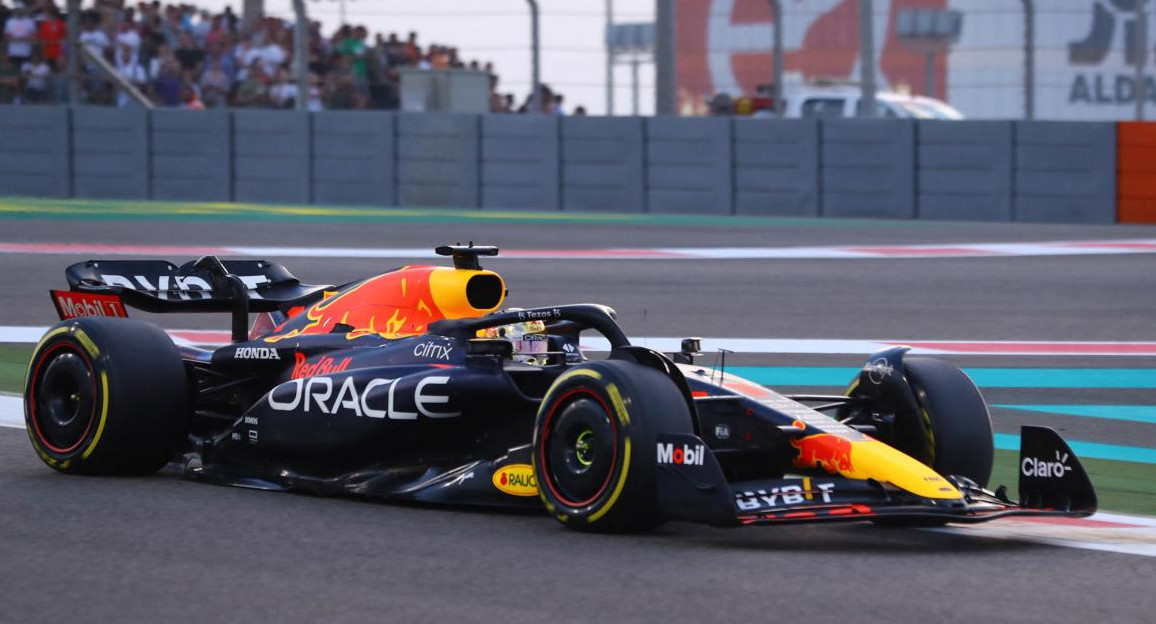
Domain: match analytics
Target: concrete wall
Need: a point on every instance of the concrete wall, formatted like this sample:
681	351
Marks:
964	170
688	165
971	170
868	168
110	153
602	164
271	157
520	164
191	155
34	151
438	160
1065	172
776	167
353	158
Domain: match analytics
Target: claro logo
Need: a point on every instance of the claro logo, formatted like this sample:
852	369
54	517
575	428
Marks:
396	399
516	480
1040	468
684	455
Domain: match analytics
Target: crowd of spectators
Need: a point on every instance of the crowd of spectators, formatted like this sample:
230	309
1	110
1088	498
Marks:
179	56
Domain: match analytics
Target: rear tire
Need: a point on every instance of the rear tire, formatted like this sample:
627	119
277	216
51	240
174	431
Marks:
594	444
106	396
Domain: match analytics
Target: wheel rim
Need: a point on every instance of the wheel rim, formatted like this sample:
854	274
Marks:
579	449
62	398
584	448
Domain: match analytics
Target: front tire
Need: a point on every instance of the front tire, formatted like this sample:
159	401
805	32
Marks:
594	444
106	396
954	418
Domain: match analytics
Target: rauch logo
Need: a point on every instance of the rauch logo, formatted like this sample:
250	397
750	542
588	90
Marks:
516	480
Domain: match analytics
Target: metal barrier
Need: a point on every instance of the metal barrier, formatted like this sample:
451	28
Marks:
972	170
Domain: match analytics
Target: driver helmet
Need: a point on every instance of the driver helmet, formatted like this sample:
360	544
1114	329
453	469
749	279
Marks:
529	339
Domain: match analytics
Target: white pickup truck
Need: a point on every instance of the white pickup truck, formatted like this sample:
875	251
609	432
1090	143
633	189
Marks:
835	101
844	102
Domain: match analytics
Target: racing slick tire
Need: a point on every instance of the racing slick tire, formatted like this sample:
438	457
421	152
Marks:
594	445
956	422
106	396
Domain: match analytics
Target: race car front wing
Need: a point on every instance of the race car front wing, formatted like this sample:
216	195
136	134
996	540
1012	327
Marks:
1052	482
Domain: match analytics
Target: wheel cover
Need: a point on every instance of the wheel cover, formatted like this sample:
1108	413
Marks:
62	398
584	448
579	448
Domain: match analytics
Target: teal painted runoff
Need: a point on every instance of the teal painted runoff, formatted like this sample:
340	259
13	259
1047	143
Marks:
1088	450
983	377
1131	413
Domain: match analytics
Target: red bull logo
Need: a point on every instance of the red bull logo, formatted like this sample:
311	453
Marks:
325	365
829	452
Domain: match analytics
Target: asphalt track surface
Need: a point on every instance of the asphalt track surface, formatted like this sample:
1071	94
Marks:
164	549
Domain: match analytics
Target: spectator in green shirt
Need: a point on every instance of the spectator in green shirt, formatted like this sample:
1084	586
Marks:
354	48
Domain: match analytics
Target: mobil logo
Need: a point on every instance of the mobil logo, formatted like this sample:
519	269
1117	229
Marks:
71	305
681	454
516	480
827	451
724	46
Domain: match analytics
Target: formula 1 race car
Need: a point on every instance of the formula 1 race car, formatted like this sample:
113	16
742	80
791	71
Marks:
415	385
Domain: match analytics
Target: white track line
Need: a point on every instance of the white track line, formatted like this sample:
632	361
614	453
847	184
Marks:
30	335
942	250
11	411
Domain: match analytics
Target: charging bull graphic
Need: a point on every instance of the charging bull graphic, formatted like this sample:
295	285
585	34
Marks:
829	452
392	305
724	46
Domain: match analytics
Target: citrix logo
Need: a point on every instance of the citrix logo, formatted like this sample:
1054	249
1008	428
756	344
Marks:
1032	467
1093	49
685	455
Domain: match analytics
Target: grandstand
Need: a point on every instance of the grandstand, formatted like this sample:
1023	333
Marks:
186	57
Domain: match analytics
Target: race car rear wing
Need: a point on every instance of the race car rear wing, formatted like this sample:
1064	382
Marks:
204	285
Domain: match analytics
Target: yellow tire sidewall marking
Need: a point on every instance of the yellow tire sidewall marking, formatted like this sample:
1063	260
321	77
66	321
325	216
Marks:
103	416
618	487
584	372
87	343
618	403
